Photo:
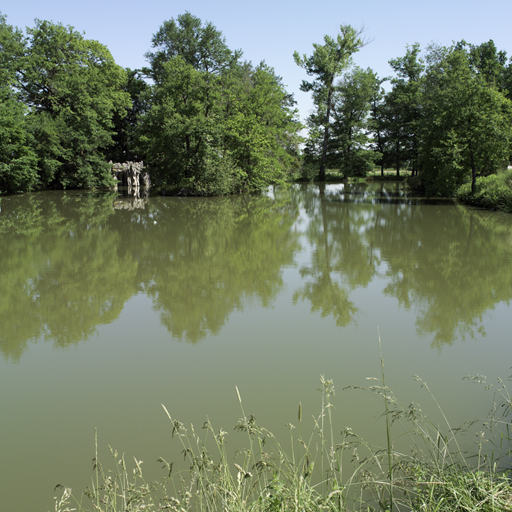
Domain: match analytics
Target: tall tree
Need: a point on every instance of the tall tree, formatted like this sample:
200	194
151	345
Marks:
72	87
215	125
350	129
327	63
179	133
403	109
201	46
261	129
468	124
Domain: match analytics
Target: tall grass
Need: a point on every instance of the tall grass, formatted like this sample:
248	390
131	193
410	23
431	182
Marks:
492	192
323	471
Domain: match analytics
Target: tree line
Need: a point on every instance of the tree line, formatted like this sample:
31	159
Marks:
447	116
199	116
205	120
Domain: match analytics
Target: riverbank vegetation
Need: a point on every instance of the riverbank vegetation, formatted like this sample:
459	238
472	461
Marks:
493	192
446	119
199	117
323	470
206	122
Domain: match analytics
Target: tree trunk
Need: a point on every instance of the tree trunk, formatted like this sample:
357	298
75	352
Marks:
473	171
321	174
397	160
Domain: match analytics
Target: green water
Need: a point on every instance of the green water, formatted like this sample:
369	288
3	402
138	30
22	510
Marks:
111	306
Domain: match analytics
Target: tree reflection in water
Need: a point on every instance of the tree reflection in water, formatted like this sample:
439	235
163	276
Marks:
69	262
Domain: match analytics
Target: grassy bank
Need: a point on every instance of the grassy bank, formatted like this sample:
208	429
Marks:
334	175
323	470
491	192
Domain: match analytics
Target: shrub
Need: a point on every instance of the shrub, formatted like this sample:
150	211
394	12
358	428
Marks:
494	192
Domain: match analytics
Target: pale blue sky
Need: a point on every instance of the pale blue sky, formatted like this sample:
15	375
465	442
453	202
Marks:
273	30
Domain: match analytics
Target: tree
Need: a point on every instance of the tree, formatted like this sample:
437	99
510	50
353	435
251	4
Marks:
350	130
488	62
327	63
203	47
17	159
402	111
468	124
72	88
214	125
261	129
180	134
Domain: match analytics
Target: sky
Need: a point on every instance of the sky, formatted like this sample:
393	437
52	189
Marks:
272	30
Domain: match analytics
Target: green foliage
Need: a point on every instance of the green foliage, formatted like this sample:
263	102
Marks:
489	63
73	87
200	46
261	131
468	125
125	126
321	471
59	94
181	129
493	191
447	117
18	171
349	136
399	119
308	170
328	62
214	126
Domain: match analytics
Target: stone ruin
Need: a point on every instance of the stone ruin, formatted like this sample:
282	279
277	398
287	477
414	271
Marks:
131	175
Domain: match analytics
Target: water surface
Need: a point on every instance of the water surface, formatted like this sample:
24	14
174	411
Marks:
111	306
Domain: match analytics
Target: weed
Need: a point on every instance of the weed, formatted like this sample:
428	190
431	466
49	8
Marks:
322	472
493	192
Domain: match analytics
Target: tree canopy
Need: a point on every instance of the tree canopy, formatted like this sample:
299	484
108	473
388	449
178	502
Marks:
67	89
215	125
206	122
327	63
447	117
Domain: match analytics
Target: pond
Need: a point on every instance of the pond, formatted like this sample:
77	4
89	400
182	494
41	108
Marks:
112	306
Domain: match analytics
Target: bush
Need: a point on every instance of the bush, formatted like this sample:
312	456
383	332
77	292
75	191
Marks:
414	185
494	192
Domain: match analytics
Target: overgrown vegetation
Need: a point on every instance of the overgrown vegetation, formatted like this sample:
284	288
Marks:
447	117
493	192
198	116
321	471
207	123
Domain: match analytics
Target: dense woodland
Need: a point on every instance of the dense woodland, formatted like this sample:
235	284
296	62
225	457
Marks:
205	120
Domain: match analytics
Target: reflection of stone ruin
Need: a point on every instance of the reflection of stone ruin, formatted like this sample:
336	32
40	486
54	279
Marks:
131	175
135	203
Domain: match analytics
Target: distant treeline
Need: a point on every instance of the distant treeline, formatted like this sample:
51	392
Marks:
203	119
